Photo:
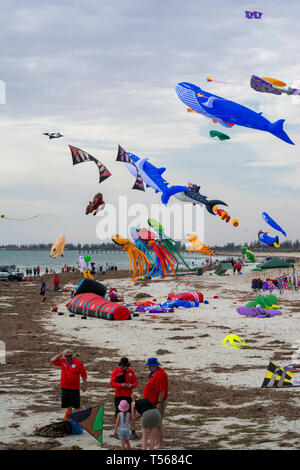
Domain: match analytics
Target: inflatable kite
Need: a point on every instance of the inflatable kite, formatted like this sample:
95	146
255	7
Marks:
90	286
248	254
253	14
169	244
272	223
164	260
227	112
139	264
92	305
53	135
95	205
225	216
234	342
271	85
197	246
80	156
258	312
220	135
145	172
140	244
84	262
192	195
265	239
58	247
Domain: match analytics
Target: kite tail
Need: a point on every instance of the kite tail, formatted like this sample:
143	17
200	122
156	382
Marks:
213	202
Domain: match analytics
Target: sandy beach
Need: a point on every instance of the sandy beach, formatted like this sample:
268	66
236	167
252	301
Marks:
215	395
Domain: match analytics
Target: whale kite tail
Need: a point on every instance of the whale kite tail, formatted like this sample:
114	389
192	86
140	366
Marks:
276	128
213	202
170	192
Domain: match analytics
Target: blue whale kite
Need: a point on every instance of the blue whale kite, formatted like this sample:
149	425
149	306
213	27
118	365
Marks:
227	112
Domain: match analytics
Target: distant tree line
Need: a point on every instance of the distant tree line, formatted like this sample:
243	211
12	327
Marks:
285	245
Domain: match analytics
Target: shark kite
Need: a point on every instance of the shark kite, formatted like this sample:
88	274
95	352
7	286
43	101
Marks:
145	172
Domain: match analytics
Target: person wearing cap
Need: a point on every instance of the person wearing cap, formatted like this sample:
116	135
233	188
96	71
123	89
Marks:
71	370
156	390
122	426
123	380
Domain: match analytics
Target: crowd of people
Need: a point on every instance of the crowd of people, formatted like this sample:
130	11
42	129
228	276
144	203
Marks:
129	405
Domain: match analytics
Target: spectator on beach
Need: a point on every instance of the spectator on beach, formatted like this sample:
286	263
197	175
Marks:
71	370
122	427
43	289
151	419
237	267
156	390
123	380
38	270
56	282
34	271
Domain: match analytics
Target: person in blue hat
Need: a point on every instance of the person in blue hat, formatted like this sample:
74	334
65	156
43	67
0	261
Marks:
156	390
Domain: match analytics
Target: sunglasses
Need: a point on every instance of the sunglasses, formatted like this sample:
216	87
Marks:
67	357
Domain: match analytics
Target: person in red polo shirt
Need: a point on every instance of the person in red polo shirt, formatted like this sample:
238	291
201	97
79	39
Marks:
156	390
71	370
123	380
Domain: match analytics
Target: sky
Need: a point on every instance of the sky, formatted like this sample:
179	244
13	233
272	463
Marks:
103	73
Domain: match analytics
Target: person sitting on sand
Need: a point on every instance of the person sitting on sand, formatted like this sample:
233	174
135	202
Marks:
151	420
122	427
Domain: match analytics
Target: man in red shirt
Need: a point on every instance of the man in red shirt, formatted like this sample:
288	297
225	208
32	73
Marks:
123	380
71	370
156	390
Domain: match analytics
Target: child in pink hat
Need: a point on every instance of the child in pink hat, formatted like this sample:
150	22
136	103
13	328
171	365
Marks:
123	424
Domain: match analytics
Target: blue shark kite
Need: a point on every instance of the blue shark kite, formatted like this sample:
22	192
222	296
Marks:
227	112
147	173
272	223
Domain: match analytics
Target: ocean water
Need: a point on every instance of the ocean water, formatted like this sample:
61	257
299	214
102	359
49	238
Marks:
28	259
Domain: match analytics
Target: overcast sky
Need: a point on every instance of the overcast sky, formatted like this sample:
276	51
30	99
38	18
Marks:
103	72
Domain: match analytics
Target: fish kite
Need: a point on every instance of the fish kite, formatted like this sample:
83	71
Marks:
151	176
227	112
270	85
79	156
220	135
193	196
265	239
91	420
53	135
272	223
